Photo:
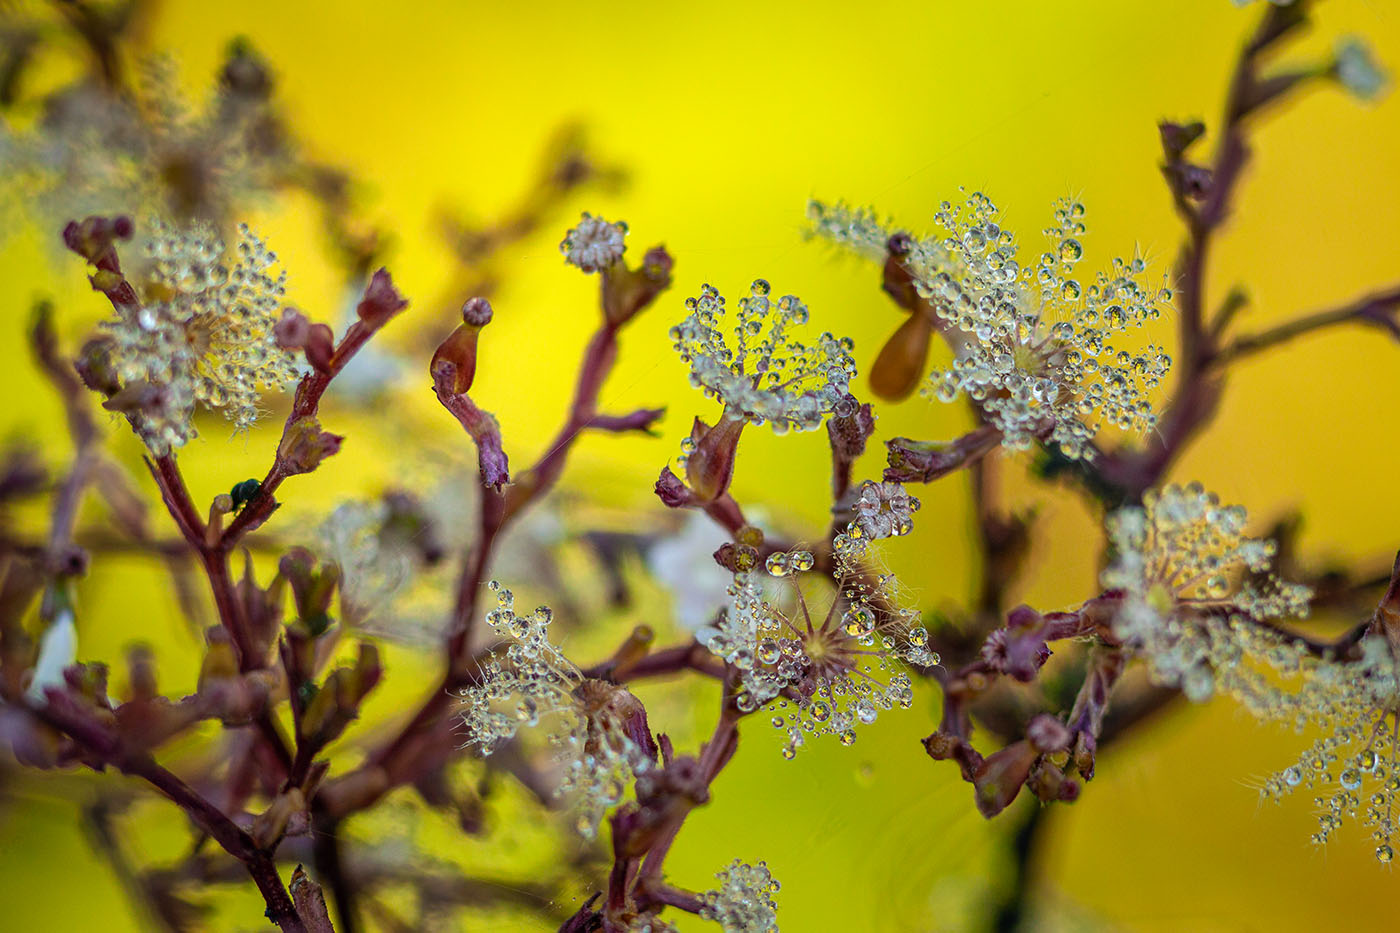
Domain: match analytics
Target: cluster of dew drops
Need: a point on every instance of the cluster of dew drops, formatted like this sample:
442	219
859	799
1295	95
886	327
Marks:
767	376
205	331
1041	340
847	698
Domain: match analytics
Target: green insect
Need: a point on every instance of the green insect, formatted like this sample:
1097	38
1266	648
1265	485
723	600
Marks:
244	492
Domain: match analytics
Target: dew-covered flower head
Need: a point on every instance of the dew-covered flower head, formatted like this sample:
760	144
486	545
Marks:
203	332
824	674
595	244
757	365
743	903
598	729
1183	565
1040	348
1353	769
1047	356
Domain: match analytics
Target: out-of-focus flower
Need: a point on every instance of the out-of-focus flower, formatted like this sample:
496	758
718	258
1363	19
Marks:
768	375
96	150
58	649
203	334
373	570
685	565
595	244
600	729
1357	69
743	903
1354	768
885	510
1181	562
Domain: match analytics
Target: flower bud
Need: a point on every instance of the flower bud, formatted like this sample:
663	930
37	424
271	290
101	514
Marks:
320	347
899	367
292	329
305	445
1178	137
273	823
671	491
454	363
710	466
96	368
94	239
312	587
1048	734
628	291
999	777
381	301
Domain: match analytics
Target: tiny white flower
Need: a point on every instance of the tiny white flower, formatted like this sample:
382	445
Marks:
595	244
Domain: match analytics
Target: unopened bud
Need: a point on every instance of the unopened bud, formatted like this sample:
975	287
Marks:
899	368
304	445
710	466
381	301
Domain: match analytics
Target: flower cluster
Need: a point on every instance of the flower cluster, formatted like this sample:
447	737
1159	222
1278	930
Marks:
373	570
744	901
1038	349
204	333
1357	707
837	673
600	730
1183	566
96	150
768	374
595	244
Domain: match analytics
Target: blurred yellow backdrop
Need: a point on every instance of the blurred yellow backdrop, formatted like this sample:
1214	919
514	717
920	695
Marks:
728	117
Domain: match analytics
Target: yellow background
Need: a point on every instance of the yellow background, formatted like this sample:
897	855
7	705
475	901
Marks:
728	116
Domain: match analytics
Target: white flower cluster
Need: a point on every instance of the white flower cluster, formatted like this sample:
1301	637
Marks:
744	902
1038	348
1181	560
1355	766
768	374
836	673
203	332
96	151
595	244
534	682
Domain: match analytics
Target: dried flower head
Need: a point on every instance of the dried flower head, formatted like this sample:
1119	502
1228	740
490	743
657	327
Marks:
202	334
1184	567
595	244
743	902
97	150
768	374
1038	349
599	729
839	672
1354	768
